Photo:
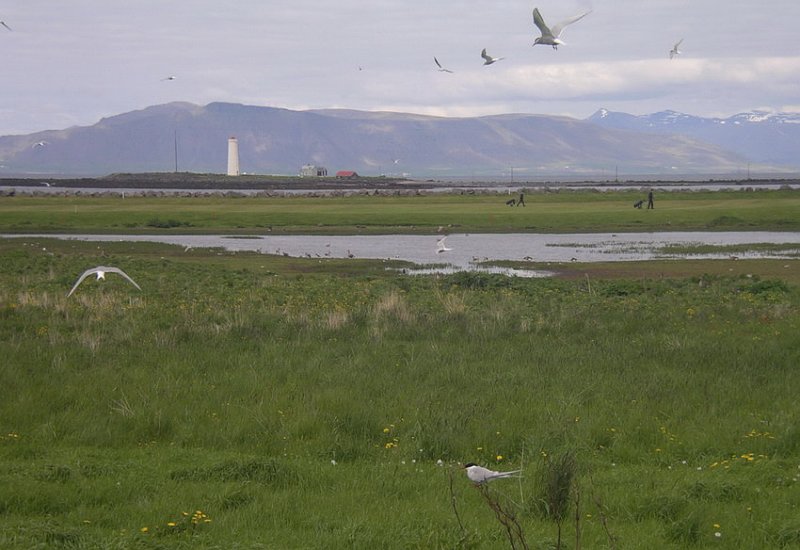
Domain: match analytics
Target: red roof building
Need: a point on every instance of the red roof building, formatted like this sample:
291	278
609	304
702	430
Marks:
346	174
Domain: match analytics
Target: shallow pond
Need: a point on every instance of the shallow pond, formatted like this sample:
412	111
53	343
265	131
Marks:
468	250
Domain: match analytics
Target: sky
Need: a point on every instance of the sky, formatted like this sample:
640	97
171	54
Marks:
73	63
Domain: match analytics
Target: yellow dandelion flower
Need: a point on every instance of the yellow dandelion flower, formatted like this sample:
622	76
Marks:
386	430
499	458
144	529
171	524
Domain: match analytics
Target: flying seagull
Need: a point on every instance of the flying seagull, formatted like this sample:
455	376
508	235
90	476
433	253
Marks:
169	78
488	59
101	271
440	247
480	475
675	51
39	144
441	69
4	24
551	35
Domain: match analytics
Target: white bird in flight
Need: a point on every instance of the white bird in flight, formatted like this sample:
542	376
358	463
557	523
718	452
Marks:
4	24
480	475
169	78
488	59
440	247
441	69
551	35
675	51
101	271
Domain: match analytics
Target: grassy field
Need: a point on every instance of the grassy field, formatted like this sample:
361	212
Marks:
254	401
545	212
251	401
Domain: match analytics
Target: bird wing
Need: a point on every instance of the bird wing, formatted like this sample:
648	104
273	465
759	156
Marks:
677	44
82	277
505	474
486	56
4	24
440	66
539	22
479	474
119	271
557	28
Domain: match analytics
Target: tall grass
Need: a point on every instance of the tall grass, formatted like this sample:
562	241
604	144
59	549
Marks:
326	411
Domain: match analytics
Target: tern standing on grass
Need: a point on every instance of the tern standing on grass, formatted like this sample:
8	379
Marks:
480	475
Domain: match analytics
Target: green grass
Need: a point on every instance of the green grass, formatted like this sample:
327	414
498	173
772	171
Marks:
545	212
303	404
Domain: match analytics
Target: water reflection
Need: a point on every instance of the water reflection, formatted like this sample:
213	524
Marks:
470	250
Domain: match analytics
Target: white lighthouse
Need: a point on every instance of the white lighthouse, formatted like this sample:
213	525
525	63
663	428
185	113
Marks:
233	157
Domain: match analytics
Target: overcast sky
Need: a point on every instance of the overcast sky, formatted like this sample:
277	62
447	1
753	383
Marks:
72	63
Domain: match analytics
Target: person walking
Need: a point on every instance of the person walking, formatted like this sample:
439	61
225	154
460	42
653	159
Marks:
650	200
521	200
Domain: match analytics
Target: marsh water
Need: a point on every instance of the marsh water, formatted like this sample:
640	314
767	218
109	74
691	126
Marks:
467	251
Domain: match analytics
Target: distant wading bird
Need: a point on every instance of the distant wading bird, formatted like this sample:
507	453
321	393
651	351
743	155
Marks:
441	69
488	59
675	51
551	35
480	475
101	271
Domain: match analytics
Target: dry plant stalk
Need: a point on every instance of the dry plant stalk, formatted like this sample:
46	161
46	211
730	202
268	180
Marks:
506	517
612	539
455	508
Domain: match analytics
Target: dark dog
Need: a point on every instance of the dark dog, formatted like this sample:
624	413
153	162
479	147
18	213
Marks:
512	202
638	204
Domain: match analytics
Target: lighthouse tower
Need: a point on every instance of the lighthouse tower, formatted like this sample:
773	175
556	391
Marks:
233	157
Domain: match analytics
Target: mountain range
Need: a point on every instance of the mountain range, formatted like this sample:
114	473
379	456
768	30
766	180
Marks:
758	136
192	138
